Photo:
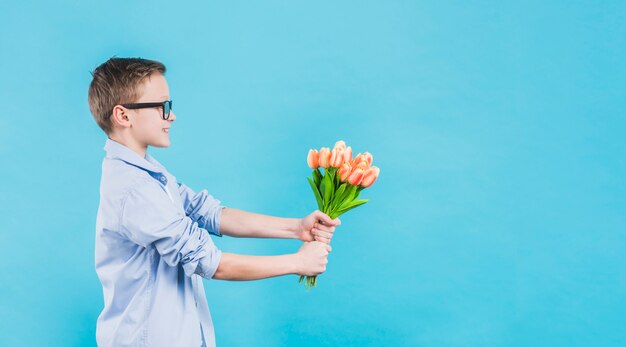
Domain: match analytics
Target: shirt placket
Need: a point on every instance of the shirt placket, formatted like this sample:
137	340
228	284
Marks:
203	309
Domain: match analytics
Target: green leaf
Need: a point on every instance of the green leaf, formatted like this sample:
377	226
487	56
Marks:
349	195
337	197
317	176
352	205
328	190
346	197
323	192
318	198
337	179
331	173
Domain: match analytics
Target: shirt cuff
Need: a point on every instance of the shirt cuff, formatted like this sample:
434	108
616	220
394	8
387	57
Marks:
212	224
207	265
218	221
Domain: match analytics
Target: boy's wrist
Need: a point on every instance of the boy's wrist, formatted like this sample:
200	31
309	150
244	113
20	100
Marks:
293	262
295	228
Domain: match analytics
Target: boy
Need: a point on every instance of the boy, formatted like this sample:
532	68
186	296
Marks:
152	233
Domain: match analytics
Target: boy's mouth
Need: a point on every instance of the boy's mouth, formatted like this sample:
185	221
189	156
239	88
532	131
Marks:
166	130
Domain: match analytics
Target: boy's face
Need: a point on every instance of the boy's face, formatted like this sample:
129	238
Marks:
148	126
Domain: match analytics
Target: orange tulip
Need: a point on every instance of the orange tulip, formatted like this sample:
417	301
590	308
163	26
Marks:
324	158
370	176
369	158
359	161
336	157
313	159
347	154
344	172
356	176
356	159
340	144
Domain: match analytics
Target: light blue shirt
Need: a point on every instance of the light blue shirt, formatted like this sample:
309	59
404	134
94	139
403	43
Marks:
152	250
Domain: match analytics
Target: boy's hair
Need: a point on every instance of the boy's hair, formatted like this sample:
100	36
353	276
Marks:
115	82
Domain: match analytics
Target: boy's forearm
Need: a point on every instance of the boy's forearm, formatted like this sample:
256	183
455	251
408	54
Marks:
236	267
238	223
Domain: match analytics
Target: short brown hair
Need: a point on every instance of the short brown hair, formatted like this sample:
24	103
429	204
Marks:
116	82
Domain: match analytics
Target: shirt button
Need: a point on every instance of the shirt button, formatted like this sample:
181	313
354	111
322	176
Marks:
201	274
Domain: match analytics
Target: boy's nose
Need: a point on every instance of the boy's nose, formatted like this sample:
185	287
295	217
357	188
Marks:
172	116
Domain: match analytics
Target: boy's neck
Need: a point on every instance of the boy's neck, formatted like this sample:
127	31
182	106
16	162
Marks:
133	145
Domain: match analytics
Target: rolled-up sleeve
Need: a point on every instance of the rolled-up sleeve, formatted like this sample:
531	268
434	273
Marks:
150	217
202	208
207	266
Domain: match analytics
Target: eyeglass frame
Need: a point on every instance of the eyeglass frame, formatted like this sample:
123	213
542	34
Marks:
150	105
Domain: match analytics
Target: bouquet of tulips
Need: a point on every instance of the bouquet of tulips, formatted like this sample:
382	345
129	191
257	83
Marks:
337	191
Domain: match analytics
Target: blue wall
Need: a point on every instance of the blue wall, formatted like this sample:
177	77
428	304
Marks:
499	215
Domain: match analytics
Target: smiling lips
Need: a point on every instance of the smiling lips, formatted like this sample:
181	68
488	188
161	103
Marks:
166	130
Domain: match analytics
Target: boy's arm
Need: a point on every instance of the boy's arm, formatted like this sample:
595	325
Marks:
238	223
208	212
310	260
202	208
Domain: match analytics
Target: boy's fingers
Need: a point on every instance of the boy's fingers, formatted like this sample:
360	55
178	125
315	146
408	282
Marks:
322	239
324	218
322	233
322	227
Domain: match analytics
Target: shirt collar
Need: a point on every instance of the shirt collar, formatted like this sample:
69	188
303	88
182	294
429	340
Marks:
116	150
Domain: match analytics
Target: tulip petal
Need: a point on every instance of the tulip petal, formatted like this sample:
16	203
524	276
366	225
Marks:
340	144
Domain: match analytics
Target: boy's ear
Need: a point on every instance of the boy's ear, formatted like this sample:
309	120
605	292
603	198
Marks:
120	116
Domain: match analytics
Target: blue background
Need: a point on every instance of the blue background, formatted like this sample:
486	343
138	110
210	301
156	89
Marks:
499	215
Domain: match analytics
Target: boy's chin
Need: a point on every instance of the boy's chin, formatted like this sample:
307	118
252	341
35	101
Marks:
163	144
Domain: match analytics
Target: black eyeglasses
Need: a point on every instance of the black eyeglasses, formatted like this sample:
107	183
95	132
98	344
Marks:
167	107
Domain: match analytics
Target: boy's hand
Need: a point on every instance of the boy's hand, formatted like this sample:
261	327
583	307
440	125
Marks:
317	226
312	258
